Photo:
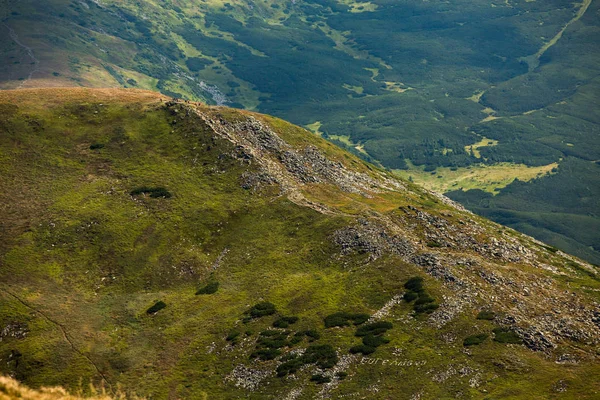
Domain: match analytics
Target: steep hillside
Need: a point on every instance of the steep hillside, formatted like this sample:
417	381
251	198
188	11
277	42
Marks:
476	92
178	250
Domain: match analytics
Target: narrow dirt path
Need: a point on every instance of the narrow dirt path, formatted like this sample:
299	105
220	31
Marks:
63	330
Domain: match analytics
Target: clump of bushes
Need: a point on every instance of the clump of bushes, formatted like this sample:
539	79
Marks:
96	146
486	315
324	356
233	336
474	340
423	302
284	322
372	337
268	344
154	192
320	379
341	375
260	310
506	335
159	305
311	334
344	319
210	288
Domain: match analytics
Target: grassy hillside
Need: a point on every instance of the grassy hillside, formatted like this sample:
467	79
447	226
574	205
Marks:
413	86
176	250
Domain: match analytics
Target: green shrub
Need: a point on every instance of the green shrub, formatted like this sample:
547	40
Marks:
486	315
414	284
434	244
232	336
344	319
410	296
154	192
361	348
375	329
324	356
284	322
96	146
506	335
311	334
320	379
266	354
261	310
427	308
374	341
210	288
159	305
474	340
424	298
341	375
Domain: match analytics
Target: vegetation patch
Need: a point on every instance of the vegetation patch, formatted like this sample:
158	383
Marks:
506	335
415	291
209	288
260	310
324	356
345	319
372	337
320	379
154	192
474	340
159	305
311	334
486	315
284	322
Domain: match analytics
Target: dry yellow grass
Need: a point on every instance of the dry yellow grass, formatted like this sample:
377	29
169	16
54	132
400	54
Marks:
11	389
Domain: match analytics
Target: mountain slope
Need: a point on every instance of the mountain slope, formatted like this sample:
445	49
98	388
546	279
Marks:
478	93
168	246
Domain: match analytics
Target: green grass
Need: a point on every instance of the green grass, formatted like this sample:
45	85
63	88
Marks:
83	260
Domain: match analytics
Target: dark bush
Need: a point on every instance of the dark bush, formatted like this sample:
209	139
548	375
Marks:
375	329
322	355
424	299
265	354
341	375
361	348
210	288
474	340
233	335
159	305
320	379
311	334
486	315
375	341
414	284
284	322
427	308
410	296
96	146
344	319
154	192
434	244
261	309
506	335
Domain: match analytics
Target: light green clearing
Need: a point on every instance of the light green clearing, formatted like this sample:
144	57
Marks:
346	140
315	128
489	178
484	142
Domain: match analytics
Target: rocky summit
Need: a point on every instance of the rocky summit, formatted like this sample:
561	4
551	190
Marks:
167	249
